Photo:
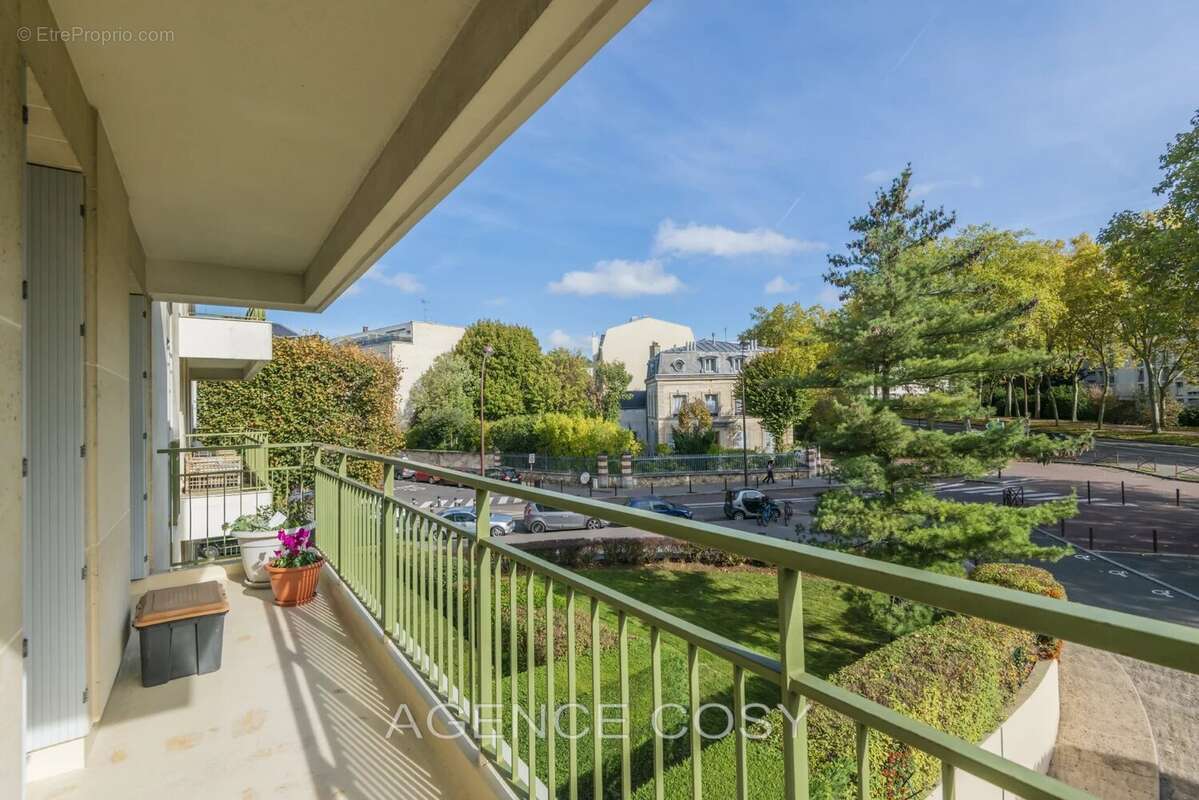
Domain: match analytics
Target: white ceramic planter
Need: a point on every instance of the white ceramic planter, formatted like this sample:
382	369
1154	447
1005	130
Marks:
257	548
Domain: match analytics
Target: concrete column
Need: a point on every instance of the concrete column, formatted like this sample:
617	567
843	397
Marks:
601	471
626	469
12	176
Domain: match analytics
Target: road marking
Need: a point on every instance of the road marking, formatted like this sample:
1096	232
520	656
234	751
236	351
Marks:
1113	561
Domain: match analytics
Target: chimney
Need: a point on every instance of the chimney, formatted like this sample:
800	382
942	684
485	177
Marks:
365	328
654	349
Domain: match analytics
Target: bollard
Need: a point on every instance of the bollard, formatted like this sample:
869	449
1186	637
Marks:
614	490
1090	538
1000	474
726	483
1088	492
689	489
1063	528
651	487
793	479
1177	498
591	490
1155	540
1121	492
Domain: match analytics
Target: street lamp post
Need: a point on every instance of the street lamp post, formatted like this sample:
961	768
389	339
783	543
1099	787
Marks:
744	430
487	351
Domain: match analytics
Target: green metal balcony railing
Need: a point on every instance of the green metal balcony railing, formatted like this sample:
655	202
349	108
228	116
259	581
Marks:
437	591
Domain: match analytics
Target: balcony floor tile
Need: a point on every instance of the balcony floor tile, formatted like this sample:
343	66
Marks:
295	711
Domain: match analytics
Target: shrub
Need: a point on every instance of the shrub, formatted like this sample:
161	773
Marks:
957	675
561	435
1025	578
576	554
712	556
311	391
1189	416
633	551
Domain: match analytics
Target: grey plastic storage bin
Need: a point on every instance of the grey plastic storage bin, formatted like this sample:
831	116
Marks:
181	631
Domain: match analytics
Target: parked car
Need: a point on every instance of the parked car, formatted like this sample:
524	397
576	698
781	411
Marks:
660	506
540	518
464	517
742	503
432	480
508	474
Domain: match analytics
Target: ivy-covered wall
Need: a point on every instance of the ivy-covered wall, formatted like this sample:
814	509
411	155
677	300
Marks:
311	391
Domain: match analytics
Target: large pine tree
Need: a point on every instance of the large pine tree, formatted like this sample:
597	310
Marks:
920	322
917	314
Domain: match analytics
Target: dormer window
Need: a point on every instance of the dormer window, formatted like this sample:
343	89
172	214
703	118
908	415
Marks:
678	364
707	364
736	362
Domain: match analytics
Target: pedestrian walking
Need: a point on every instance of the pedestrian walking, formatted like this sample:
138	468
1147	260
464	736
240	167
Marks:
769	471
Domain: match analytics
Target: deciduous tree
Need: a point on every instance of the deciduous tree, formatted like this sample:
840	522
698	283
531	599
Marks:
440	412
1158	322
513	370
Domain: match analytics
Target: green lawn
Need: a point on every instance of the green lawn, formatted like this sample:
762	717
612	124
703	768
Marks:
740	604
1128	433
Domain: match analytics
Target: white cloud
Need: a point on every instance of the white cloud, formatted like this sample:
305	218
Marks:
779	285
560	338
830	297
618	278
880	175
406	282
928	187
716	240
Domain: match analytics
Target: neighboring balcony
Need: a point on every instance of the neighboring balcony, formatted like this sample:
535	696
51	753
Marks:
223	348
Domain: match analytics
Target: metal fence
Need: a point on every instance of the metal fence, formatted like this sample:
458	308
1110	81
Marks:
723	462
568	465
439	592
659	465
215	478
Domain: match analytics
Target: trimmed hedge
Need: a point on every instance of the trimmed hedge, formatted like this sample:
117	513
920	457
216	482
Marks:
957	675
1025	578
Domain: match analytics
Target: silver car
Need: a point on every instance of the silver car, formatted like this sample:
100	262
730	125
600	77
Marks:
540	518
464	517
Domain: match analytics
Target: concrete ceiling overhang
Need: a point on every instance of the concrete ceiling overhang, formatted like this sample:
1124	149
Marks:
273	151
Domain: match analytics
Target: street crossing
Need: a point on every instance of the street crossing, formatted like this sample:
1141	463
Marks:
971	489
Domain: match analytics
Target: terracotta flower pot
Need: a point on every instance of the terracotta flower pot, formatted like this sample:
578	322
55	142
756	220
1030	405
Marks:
293	586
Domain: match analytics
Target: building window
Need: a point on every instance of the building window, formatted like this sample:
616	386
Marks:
676	403
712	401
736	405
707	364
736	362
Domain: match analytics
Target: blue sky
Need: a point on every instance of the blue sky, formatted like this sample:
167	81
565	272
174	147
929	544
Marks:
711	155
